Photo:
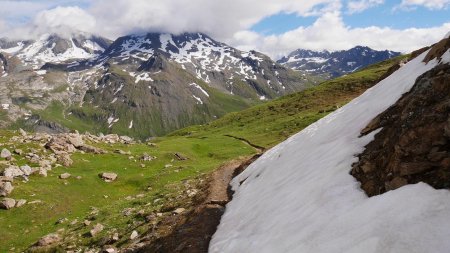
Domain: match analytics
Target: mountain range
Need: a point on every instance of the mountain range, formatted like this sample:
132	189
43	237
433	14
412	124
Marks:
334	64
141	85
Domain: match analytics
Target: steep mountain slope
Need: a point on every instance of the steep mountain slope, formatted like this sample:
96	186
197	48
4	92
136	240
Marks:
146	85
303	192
154	192
334	64
269	123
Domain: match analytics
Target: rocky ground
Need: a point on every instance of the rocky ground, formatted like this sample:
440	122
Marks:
413	145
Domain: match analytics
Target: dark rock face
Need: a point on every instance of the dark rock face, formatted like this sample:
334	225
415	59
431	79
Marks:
414	144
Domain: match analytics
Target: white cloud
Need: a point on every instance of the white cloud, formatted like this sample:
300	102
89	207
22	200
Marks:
361	5
60	20
329	32
430	4
218	18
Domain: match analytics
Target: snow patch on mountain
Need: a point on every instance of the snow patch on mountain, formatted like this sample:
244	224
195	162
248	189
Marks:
300	197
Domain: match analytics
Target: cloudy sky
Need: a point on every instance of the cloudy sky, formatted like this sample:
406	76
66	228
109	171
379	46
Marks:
274	27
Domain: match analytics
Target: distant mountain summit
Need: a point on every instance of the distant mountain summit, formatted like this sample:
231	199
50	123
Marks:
334	64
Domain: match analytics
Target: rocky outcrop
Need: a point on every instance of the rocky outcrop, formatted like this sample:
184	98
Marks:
414	143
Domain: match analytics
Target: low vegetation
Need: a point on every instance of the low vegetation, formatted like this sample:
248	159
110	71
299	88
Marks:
160	186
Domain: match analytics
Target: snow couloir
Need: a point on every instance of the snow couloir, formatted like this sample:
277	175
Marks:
300	197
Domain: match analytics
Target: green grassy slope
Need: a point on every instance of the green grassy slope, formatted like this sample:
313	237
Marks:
206	146
270	123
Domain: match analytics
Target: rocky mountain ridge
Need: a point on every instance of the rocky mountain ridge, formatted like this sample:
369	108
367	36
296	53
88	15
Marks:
333	64
142	85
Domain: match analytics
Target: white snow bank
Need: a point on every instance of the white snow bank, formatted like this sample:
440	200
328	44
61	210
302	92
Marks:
300	197
200	88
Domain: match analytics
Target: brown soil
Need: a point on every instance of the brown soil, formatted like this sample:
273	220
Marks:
191	232
414	144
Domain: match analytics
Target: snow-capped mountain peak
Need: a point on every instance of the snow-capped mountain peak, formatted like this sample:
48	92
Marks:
334	64
55	49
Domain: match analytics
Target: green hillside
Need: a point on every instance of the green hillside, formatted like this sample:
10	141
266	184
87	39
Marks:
157	186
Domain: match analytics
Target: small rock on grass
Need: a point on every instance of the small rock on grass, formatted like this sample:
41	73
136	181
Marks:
64	176
7	203
108	177
134	235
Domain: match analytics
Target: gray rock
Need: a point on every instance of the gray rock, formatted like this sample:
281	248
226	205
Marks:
49	240
27	170
13	171
7	203
5	154
108	176
20	202
6	188
64	176
96	229
134	235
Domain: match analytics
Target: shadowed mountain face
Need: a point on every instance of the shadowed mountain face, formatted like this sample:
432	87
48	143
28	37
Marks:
141	85
334	64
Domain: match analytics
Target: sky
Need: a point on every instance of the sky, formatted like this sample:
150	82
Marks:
274	27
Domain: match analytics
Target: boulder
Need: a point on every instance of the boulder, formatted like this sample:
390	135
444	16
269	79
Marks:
64	176
27	170
6	188
96	229
20	202
49	240
108	176
76	140
7	203
5	154
13	171
65	160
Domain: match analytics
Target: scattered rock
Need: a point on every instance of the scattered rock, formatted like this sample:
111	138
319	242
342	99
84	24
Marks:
5	154
20	202
179	211
62	220
108	176
27	170
146	157
13	171
134	235
7	203
22	132
6	188
87	222
64	176
97	229
115	237
18	151
65	160
49	240
109	249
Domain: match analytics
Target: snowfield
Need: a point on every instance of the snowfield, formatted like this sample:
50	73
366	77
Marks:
300	197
